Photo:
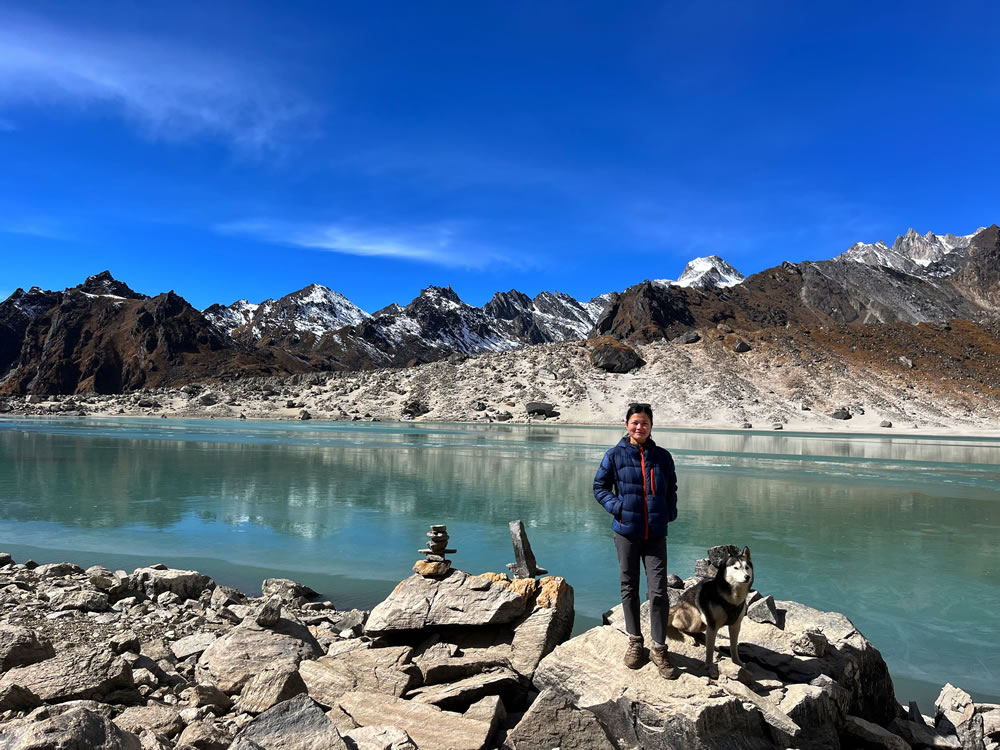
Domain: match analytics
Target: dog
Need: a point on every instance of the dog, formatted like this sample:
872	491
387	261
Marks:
712	603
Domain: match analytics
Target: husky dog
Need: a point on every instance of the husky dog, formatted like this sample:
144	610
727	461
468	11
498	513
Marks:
712	603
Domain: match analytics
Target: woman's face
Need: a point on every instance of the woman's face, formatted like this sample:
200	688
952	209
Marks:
638	426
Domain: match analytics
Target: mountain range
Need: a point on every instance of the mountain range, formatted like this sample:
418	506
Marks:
104	337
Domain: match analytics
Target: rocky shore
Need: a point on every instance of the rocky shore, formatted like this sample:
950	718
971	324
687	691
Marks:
163	658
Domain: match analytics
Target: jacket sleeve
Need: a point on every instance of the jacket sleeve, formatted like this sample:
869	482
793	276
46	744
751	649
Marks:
604	486
671	476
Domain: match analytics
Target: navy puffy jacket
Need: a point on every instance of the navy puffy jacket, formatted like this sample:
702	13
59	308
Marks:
642	504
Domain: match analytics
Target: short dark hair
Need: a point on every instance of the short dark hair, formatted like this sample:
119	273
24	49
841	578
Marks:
639	409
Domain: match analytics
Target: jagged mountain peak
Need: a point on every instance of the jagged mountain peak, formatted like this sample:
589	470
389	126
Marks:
103	284
705	273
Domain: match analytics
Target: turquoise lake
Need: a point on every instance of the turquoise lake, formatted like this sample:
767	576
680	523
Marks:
899	533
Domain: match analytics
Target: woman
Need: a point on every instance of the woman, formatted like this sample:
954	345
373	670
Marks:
636	483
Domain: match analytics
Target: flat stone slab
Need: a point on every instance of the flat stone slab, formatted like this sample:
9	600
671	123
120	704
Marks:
381	670
73	674
465	692
192	644
456	599
428	726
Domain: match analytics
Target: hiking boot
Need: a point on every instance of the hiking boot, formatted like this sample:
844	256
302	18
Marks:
660	656
635	654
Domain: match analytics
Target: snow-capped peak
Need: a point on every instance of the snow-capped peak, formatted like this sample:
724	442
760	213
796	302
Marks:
701	273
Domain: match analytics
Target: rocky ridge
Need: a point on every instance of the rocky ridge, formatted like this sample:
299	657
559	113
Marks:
164	658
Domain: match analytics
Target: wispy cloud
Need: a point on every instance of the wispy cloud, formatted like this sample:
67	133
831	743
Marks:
170	90
42	228
438	244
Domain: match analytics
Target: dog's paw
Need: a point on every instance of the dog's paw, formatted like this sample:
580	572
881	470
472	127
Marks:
713	671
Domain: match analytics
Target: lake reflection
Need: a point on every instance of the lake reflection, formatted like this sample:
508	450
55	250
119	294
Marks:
897	533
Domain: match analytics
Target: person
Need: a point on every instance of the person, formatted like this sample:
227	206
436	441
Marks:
637	484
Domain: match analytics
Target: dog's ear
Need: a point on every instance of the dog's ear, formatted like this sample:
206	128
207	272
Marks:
746	552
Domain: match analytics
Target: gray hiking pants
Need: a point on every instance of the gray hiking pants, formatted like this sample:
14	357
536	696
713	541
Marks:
653	554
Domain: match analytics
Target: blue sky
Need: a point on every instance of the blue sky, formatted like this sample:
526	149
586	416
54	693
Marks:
229	150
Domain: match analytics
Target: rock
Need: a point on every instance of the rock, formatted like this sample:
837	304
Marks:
208	399
17	698
381	670
611	355
841	414
690	337
428	568
269	688
459	696
414	408
490	710
101	578
918	734
545	627
456	599
638	708
76	673
192	645
504	416
763	611
84	601
269	612
223	596
380	738
6	559
153	581
816	711
72	729
429	727
206	694
777	426
955	713
553	721
906	362
525	565
289	591
674	581
57	570
205	735
885	423
540	408
248	649
304	415
861	733
295	724
810	643
158	718
740	346
20	647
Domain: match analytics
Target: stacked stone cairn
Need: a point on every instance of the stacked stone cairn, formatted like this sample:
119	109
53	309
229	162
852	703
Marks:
435	563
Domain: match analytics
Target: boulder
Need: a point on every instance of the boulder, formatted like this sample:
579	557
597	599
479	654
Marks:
429	727
287	590
295	724
553	721
158	718
20	647
763	611
611	355
153	581
841	413
192	645
545	627
71	729
269	688
205	735
456	599
269	612
638	708
17	698
955	713
540	409
918	734
381	670
76	673
459	696
206	694
815	708
690	337
248	649
380	738
856	732
885	423
737	344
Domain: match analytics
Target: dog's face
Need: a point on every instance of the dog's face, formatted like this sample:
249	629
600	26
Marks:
739	569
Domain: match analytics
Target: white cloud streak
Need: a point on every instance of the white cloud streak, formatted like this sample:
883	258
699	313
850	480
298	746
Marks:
170	91
437	245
